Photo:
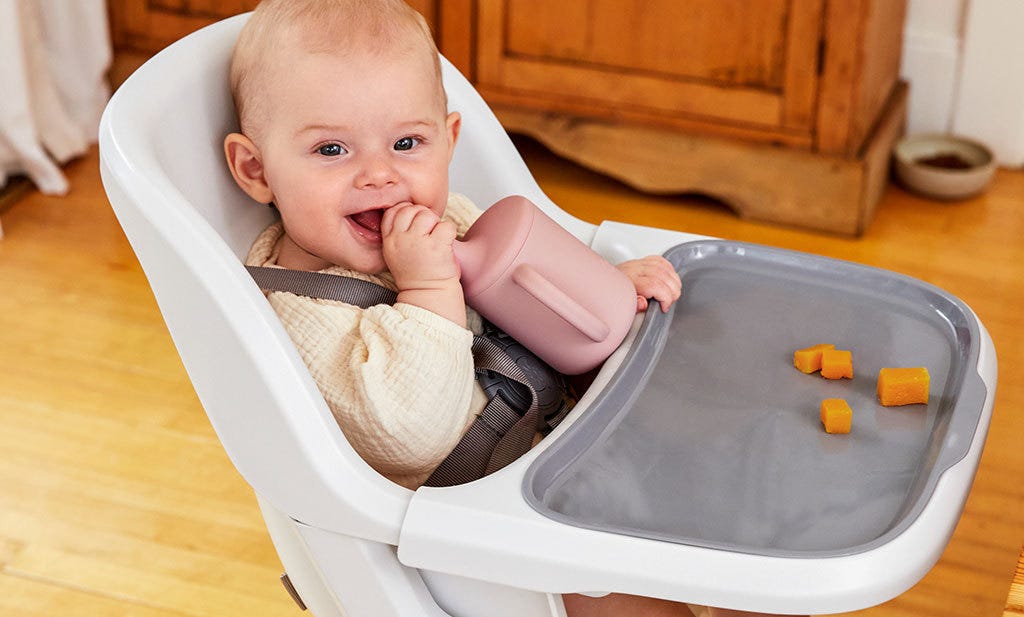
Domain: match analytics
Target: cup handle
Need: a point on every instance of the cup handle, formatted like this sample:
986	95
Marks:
548	294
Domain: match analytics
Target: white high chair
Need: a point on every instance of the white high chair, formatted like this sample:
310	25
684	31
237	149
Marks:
352	542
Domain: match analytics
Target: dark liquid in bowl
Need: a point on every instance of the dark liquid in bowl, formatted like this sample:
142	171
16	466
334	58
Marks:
944	160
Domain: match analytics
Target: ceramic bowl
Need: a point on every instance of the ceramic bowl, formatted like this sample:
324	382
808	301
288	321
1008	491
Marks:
944	166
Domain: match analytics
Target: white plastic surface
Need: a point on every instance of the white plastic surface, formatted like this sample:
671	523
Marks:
162	165
303	572
453	530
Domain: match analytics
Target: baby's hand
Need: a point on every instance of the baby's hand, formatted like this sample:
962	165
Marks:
417	247
653	277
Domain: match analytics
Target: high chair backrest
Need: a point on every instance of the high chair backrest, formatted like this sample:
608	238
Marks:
163	169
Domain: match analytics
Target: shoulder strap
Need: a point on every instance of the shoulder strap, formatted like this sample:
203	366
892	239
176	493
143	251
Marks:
345	289
498	436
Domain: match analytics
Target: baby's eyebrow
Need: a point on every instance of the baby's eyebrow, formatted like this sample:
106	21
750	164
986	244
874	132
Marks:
311	128
412	124
338	128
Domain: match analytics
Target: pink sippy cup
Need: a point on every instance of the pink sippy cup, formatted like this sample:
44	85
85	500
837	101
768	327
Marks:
546	288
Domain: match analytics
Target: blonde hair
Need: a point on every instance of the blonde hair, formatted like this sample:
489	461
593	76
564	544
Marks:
321	26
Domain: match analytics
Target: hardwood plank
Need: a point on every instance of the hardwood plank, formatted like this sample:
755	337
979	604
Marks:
27	597
195	593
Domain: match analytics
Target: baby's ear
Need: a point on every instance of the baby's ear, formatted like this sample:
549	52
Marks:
247	167
453	124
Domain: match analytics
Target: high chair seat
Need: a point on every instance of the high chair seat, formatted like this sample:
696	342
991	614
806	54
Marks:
352	542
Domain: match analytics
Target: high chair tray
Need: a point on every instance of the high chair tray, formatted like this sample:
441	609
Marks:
695	468
707	435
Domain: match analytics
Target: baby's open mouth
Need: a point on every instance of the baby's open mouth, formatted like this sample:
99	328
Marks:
368	219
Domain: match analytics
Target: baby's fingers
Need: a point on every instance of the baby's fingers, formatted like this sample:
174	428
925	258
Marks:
423	221
408	217
665	293
396	218
444	232
660	289
653	277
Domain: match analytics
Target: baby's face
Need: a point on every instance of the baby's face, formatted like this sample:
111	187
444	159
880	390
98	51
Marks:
348	136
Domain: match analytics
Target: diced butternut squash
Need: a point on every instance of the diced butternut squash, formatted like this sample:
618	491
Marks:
903	386
836	415
808	360
836	364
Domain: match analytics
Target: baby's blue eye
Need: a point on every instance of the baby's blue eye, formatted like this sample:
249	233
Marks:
331	150
406	143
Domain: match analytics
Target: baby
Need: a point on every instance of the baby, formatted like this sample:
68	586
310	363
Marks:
345	129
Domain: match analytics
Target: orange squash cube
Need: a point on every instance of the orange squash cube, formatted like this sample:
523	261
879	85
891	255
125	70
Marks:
808	360
836	415
903	386
836	364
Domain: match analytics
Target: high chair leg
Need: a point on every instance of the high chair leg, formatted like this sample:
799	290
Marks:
343	576
367	577
302	573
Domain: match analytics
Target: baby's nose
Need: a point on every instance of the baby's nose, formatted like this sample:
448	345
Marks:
376	172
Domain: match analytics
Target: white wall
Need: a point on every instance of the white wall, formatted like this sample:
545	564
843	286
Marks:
990	100
931	63
963	61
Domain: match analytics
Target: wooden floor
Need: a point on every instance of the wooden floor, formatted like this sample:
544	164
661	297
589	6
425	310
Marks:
116	499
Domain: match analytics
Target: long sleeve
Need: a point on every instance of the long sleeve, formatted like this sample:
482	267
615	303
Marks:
398	379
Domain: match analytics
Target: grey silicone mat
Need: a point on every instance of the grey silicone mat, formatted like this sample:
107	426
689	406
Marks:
707	435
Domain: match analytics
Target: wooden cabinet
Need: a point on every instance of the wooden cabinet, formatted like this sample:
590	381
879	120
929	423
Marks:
784	109
669	62
148	26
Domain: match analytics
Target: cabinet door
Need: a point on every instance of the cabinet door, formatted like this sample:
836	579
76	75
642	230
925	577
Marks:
150	25
734	65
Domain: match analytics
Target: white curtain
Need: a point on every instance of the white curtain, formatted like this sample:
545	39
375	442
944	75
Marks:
54	56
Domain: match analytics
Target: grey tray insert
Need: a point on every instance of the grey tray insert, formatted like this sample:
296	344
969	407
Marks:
707	435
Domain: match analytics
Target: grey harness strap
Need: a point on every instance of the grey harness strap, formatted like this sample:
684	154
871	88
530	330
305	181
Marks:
498	436
356	292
